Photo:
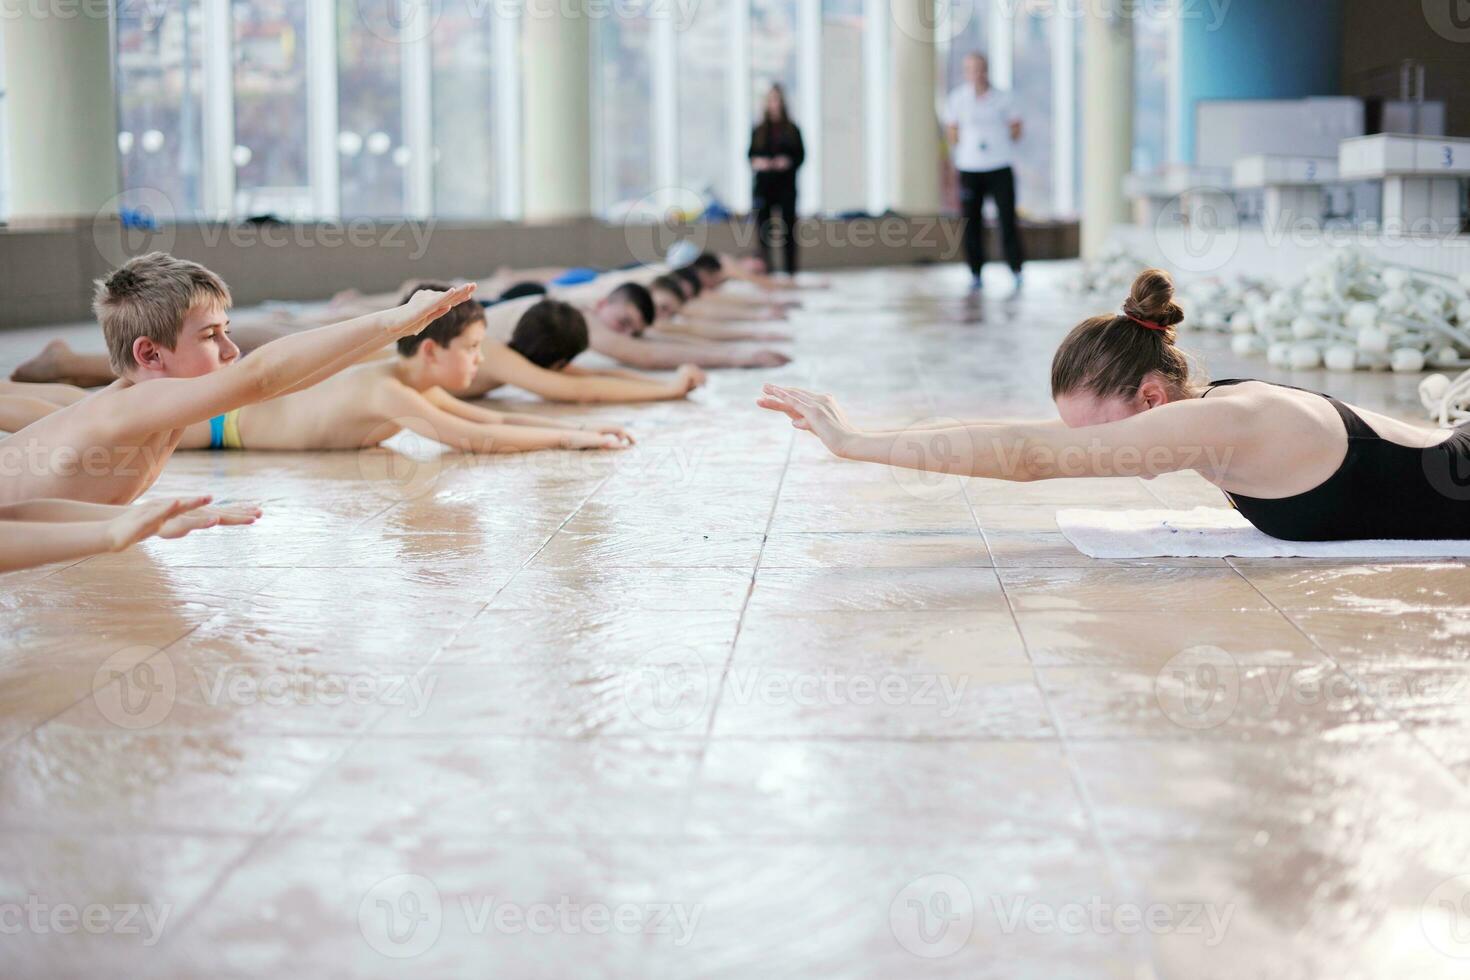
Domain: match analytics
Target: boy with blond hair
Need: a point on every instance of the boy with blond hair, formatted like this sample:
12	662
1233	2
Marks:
166	328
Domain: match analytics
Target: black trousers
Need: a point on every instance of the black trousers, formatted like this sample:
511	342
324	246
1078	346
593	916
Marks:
1001	185
767	203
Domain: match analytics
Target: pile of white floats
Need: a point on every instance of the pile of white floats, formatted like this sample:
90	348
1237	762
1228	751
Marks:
1349	313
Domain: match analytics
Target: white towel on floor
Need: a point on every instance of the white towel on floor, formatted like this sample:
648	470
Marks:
1218	532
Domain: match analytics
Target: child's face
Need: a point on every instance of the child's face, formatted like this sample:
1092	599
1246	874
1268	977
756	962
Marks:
204	344
457	364
666	303
621	318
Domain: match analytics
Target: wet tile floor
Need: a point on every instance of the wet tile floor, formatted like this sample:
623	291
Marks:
724	706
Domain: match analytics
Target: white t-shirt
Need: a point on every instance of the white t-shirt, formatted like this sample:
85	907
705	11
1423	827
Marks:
984	122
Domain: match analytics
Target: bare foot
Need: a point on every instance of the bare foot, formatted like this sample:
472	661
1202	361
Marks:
46	366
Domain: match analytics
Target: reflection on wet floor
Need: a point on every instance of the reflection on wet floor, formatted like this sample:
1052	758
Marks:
724	706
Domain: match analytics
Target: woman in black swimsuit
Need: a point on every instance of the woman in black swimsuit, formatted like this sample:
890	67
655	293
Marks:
1298	465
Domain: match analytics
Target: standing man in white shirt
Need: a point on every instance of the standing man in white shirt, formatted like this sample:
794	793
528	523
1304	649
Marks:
981	125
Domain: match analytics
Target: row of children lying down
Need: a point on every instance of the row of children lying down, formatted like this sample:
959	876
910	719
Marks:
348	376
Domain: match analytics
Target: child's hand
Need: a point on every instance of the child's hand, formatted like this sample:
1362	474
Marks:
690	376
768	358
580	439
817	414
426	306
228	515
622	434
157	517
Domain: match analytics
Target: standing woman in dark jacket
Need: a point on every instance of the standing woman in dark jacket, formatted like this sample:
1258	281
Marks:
776	154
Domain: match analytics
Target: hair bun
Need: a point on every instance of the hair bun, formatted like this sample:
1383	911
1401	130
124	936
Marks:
1152	299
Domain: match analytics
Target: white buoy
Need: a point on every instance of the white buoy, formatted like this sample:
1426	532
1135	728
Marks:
1395	278
1373	340
1407	360
1241	322
1393	302
1341	357
1245	345
1305	328
1361	315
1432	391
1278	355
1304	357
1444	357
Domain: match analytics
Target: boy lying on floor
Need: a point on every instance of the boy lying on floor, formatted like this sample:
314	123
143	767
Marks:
167	337
370	403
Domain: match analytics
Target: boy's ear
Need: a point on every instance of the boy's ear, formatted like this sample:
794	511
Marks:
147	354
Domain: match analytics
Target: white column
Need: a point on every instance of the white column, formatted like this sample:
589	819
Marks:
509	164
555	63
324	162
1064	110
217	148
913	127
1107	122
876	26
809	112
740	114
418	108
61	117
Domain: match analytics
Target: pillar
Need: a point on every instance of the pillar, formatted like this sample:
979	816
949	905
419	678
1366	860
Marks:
61	118
556	111
914	134
1106	153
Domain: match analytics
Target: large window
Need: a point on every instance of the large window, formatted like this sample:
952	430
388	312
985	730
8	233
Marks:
159	90
623	115
704	100
1031	95
373	154
271	168
466	157
773	54
387	107
844	130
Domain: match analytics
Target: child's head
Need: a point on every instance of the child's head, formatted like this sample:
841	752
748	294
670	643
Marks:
550	334
448	347
690	278
1111	367
164	317
628	309
668	296
711	270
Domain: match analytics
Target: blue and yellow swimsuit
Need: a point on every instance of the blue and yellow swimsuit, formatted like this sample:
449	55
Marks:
224	431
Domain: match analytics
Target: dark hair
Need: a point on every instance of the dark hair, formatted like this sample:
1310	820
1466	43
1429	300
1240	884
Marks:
1111	355
550	333
669	283
687	273
637	297
708	262
443	330
521	289
765	133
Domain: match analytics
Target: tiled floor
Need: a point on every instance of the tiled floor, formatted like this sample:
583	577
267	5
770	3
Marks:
724	706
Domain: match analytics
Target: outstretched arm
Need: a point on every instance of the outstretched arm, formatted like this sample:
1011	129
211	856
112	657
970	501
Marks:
280	367
444	401
509	367
1199	435
27	543
684	328
659	355
76	511
419	415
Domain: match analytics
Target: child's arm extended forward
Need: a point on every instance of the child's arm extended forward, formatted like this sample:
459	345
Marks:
26	543
420	415
509	367
279	367
454	406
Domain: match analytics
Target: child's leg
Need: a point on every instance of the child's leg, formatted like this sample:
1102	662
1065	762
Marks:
18	411
55	394
57	362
